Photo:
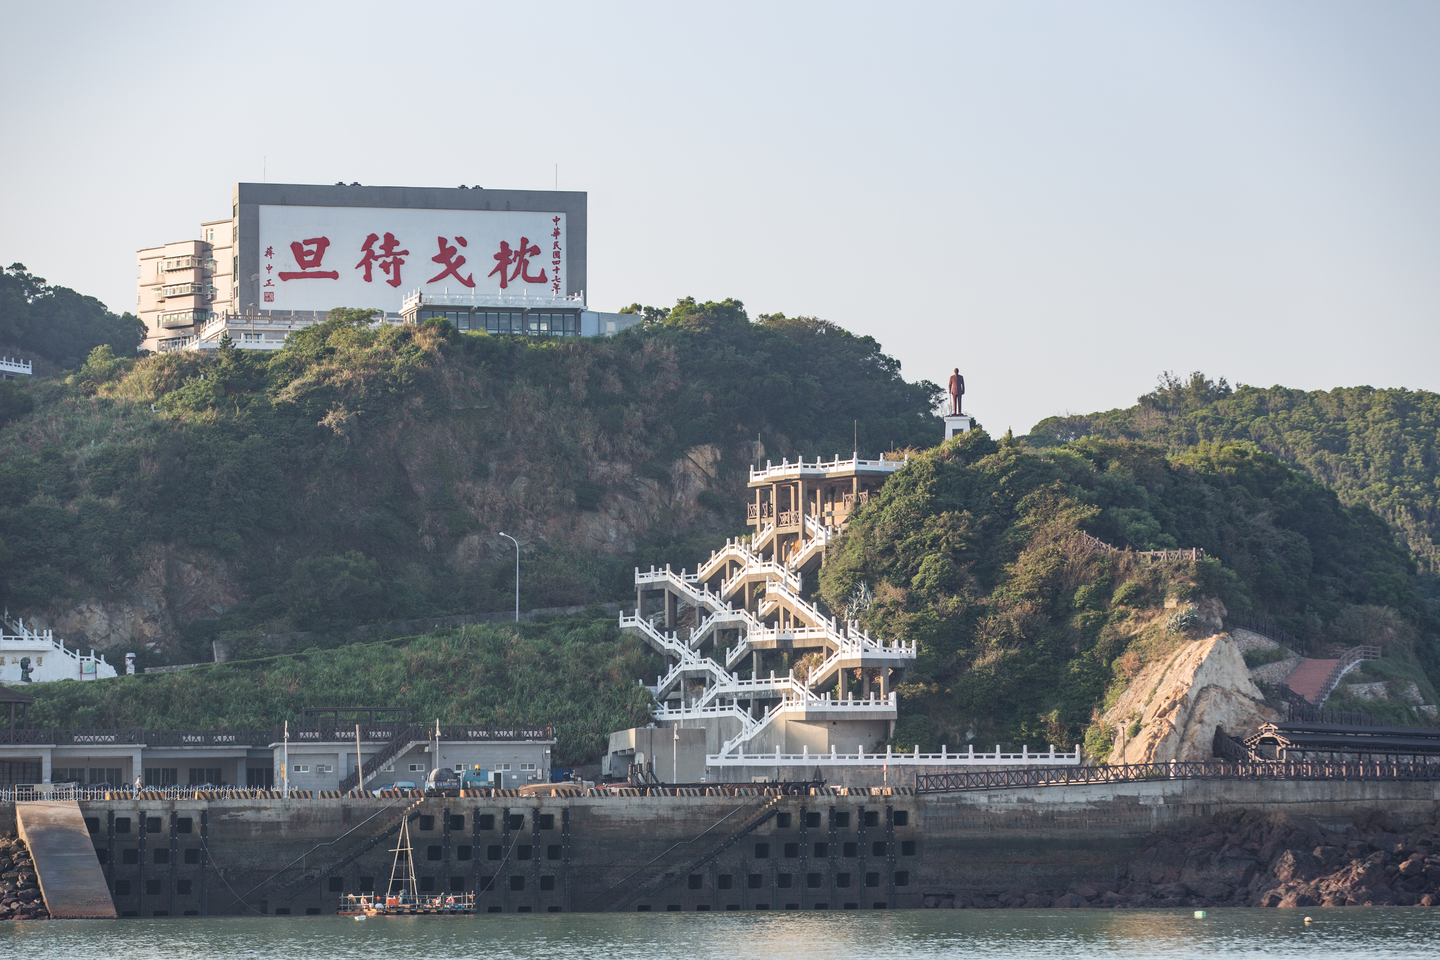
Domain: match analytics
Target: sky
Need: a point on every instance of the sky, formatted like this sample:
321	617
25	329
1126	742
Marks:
1061	199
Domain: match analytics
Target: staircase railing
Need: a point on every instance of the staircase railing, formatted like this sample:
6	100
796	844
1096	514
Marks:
1343	666
407	737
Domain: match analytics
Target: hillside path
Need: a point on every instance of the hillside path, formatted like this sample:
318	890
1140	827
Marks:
1309	676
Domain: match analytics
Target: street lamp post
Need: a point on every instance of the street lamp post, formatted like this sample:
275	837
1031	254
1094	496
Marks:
517	572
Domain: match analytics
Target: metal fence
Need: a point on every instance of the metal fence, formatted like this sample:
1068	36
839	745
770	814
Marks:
369	733
1268	628
1151	772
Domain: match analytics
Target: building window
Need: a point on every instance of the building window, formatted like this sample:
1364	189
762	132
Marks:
162	776
502	766
300	768
417	768
527	766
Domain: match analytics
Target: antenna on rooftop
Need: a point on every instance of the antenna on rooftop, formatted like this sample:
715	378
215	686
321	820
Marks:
855	426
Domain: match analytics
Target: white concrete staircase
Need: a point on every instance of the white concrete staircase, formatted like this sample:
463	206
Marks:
781	619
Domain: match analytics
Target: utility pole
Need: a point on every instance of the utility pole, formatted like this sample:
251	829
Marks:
517	572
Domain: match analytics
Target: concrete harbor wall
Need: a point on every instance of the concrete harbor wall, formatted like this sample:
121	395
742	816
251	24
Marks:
592	853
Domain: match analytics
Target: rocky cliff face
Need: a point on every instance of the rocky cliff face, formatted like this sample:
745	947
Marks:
1171	709
174	588
632	507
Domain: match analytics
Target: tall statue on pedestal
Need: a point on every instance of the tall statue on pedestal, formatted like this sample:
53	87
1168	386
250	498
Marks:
957	392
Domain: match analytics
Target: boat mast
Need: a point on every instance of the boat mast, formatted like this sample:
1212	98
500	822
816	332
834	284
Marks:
403	867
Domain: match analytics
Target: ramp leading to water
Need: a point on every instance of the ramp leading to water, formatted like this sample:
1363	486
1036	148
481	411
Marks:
70	876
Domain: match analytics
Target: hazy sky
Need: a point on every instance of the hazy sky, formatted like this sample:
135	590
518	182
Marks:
1063	199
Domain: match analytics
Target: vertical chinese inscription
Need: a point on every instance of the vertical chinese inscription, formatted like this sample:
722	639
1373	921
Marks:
268	287
555	258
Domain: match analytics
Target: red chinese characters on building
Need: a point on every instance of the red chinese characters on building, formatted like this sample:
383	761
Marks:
387	258
269	295
308	254
517	258
452	263
555	258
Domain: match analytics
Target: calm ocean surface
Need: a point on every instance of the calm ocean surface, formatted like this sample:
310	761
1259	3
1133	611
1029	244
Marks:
1073	934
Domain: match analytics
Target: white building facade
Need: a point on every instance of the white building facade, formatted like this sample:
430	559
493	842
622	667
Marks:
290	253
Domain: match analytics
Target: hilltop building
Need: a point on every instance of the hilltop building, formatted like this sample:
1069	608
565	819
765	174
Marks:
503	261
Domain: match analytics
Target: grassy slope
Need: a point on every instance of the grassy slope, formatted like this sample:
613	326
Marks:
576	674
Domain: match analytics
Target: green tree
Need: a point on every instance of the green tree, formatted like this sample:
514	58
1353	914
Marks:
58	324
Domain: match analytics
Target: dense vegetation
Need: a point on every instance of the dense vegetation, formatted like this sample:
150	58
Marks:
56	324
975	552
578	675
363	473
1376	447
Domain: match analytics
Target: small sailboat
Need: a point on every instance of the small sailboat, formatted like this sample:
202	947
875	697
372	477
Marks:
402	897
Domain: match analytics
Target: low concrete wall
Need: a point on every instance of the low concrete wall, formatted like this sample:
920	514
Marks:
590	853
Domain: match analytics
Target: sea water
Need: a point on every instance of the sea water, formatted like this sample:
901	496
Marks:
1352	932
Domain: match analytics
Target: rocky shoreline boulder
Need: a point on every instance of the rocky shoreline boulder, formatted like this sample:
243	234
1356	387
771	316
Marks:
1253	859
20	897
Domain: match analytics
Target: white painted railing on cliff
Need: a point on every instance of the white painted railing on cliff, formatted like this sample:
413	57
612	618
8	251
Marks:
785	470
13	365
916	759
420	297
66	664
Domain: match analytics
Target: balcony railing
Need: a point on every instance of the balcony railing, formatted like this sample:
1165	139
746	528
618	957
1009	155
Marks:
187	263
184	318
187	290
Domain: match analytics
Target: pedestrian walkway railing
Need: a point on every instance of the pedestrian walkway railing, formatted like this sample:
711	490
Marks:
1177	770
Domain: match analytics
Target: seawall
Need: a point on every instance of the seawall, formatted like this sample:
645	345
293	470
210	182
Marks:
560	854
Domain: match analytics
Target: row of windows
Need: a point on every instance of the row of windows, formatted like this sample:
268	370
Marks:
109	775
152	824
822	849
545	821
516	883
786	881
505	322
841	819
159	855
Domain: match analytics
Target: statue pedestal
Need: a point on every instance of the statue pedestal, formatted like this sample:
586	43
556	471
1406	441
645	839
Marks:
957	423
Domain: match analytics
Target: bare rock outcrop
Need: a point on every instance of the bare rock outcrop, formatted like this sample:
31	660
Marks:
20	897
174	588
1171	709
